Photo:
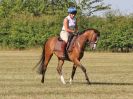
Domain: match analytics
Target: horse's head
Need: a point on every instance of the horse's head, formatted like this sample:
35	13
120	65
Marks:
92	37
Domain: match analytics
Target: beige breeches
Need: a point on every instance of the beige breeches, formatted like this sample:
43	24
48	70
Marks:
64	36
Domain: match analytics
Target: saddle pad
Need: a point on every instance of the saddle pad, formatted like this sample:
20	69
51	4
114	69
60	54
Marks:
58	45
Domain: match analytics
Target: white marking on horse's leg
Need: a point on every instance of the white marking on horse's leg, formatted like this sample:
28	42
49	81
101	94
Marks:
94	46
62	79
70	81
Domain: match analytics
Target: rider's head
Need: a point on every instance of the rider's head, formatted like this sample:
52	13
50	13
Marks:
72	10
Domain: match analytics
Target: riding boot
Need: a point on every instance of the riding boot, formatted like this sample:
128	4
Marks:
69	49
63	47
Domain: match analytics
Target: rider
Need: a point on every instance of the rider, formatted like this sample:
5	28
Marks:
69	27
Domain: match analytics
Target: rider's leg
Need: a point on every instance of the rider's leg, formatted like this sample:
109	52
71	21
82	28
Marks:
71	44
64	36
63	47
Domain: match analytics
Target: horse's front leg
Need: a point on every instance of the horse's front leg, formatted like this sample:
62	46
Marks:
77	62
59	69
84	70
73	73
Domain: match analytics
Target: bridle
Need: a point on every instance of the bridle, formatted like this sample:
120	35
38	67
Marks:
90	42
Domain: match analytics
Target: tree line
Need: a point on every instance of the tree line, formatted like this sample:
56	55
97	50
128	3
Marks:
28	23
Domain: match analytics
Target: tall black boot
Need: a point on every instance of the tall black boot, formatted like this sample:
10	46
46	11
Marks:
69	49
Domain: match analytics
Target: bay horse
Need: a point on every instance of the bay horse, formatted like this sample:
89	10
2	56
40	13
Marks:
89	36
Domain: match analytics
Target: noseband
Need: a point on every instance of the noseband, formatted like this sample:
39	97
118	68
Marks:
90	41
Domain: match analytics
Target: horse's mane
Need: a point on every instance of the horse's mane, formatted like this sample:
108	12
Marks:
96	31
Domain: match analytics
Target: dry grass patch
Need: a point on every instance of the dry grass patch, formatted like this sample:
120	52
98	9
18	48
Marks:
111	75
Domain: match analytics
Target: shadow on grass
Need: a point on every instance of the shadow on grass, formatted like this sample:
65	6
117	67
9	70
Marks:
110	83
107	83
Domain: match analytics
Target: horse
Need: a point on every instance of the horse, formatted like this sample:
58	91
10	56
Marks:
88	36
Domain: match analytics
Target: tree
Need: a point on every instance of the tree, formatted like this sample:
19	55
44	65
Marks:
88	7
38	7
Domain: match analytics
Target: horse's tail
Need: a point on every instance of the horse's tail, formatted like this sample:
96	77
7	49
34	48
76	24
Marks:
41	61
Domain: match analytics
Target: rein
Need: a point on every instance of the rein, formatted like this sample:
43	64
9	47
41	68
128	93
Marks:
90	41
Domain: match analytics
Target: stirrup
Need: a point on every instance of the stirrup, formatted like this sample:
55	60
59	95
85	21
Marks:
63	57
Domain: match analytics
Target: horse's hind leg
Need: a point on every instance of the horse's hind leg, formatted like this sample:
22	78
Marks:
59	69
44	68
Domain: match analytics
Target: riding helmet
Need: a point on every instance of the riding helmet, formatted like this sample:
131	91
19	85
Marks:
72	10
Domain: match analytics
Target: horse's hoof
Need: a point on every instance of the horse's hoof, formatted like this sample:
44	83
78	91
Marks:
70	81
42	81
89	83
64	83
62	80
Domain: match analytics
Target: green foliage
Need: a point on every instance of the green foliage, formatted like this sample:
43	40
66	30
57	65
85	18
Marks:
28	23
116	31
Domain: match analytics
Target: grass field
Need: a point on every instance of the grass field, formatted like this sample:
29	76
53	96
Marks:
111	75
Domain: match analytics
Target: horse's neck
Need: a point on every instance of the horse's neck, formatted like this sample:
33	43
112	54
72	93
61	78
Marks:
81	40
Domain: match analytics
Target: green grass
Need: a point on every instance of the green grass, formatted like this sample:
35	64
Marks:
111	75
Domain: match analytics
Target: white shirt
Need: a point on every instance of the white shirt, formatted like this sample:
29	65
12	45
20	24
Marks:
71	23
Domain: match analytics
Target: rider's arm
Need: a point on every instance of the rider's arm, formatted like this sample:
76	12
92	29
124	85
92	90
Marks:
67	27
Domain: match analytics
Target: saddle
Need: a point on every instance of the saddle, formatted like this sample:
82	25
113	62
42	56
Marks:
58	44
69	46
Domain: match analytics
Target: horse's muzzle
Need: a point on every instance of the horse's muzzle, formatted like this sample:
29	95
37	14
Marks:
93	46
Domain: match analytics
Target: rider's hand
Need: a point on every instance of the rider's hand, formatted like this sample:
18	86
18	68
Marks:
74	33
